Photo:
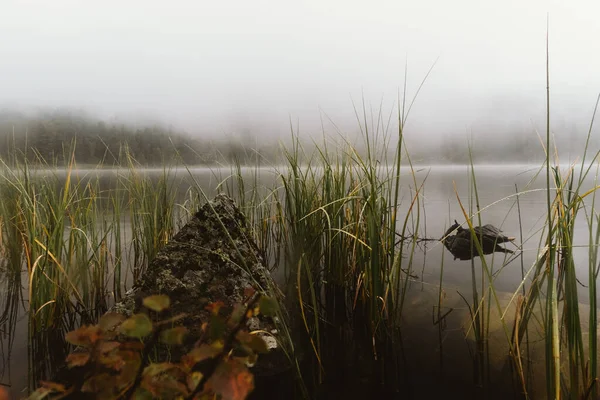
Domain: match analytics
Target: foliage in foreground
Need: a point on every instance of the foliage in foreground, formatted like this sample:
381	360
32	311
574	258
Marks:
114	356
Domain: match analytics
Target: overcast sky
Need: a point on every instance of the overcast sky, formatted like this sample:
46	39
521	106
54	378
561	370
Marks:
216	65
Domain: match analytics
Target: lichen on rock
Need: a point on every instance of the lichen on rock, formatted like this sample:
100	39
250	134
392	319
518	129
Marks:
213	258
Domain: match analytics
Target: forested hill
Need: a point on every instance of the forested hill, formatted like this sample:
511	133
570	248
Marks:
49	135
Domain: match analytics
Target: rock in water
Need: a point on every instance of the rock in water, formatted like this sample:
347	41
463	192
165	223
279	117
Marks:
461	246
213	258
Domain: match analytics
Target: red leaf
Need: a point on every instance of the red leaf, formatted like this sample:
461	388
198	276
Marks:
84	336
215	307
232	381
249	292
78	359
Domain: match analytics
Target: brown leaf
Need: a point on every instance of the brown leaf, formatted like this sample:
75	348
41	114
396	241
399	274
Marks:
194	379
172	320
236	315
106	347
131	366
215	307
84	336
39	394
112	361
249	292
198	354
173	336
142	394
157	302
138	326
135	346
254	342
101	384
55	387
158	368
78	359
232	381
110	321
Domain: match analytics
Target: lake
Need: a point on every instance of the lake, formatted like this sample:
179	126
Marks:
496	185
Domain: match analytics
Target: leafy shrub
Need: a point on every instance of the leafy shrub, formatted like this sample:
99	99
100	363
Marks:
114	355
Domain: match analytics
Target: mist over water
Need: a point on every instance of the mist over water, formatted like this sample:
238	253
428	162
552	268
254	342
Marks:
248	68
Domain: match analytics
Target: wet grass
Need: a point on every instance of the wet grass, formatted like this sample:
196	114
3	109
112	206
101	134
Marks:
74	241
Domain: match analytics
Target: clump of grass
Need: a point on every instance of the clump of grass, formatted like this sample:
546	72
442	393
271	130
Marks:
65	230
339	211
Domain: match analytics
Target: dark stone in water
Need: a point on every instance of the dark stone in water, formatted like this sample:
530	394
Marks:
462	247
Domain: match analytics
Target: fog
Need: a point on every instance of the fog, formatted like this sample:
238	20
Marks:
211	67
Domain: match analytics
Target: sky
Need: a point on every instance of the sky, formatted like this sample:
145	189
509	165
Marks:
212	67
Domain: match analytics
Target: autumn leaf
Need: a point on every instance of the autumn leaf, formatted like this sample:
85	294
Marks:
158	368
110	320
142	394
216	328
55	387
215	307
138	326
173	336
268	306
135	346
84	336
249	292
131	366
77	359
254	342
157	302
101	384
198	354
194	379
39	394
236	315
231	380
112	361
106	347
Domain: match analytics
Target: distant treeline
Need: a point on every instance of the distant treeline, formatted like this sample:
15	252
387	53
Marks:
49	136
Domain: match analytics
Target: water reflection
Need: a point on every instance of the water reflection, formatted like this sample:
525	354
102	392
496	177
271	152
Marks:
11	308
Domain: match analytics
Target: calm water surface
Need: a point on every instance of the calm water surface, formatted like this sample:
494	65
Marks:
497	200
